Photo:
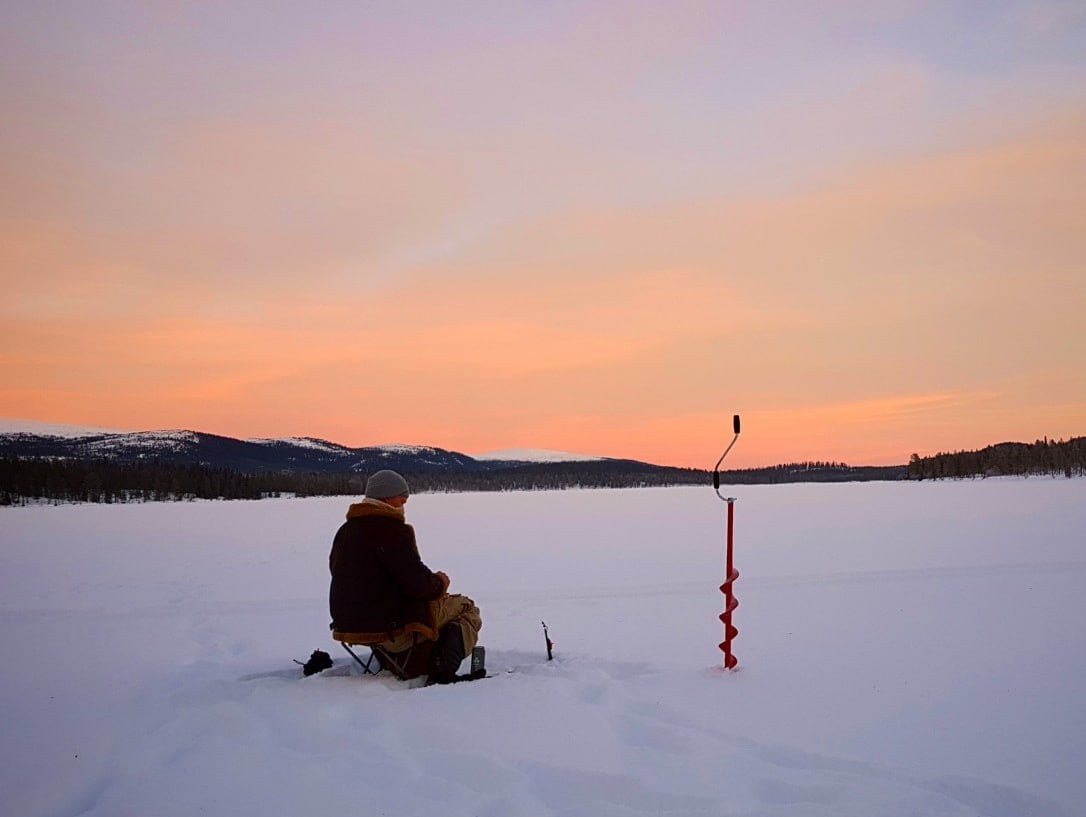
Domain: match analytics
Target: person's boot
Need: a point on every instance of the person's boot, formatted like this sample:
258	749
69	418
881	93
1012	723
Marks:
447	655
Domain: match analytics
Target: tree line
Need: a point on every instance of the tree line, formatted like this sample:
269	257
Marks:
1043	457
108	481
563	475
812	471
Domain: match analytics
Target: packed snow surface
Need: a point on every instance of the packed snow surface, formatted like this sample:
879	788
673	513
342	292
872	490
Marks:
534	455
904	649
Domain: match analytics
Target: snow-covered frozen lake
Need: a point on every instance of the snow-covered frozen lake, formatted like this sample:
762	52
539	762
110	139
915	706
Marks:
905	649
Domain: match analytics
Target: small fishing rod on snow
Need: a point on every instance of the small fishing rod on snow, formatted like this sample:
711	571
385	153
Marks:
730	602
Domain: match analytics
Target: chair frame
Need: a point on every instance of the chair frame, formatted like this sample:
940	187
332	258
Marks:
385	659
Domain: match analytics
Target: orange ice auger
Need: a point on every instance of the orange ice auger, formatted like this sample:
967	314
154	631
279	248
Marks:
730	603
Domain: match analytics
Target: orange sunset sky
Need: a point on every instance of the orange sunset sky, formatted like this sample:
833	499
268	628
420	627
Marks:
600	227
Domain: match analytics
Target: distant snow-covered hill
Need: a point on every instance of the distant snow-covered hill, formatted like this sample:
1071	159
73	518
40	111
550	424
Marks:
532	455
183	447
31	440
313	443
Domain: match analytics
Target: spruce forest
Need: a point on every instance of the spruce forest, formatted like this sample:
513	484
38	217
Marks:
1062	458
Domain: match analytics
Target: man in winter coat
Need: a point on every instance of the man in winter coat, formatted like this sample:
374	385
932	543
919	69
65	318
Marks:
383	594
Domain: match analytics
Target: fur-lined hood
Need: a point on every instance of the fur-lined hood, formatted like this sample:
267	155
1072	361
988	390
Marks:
374	507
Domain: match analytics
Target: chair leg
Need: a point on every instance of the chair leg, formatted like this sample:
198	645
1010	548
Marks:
365	664
396	667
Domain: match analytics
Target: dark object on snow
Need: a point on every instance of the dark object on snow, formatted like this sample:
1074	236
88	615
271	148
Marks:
318	661
550	644
478	662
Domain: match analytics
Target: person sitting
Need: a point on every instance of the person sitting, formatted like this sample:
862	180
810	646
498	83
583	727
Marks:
383	594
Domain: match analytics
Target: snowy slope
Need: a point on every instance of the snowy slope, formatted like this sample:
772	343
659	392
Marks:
311	443
26	439
298	454
905	649
533	455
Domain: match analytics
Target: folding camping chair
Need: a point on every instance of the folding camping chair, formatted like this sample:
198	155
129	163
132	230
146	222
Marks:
405	665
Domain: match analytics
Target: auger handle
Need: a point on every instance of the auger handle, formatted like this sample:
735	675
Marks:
716	468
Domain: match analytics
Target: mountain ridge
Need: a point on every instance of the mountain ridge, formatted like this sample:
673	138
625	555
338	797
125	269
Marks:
256	455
